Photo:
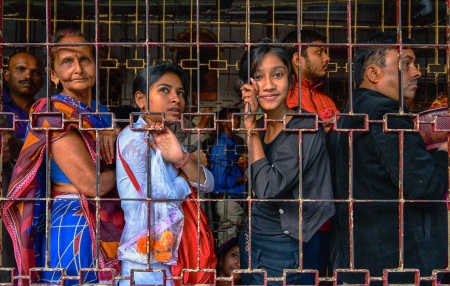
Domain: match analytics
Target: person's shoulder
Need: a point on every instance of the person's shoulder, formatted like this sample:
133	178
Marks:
127	134
39	105
309	138
374	103
304	121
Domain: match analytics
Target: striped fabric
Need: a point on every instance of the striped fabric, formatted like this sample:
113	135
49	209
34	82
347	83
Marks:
71	244
25	220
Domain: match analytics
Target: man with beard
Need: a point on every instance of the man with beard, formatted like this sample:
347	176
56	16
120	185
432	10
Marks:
313	61
23	80
385	173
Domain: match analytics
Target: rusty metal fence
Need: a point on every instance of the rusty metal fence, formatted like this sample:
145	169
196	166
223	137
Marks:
207	38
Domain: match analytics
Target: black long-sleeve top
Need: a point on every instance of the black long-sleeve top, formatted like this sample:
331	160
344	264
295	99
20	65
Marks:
376	177
276	177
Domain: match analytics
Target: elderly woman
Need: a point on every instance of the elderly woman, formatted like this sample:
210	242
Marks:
73	226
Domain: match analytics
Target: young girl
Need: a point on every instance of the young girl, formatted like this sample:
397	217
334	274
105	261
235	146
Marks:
227	261
274	172
158	157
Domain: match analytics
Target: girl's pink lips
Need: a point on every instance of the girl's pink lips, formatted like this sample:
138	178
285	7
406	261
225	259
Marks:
174	111
269	96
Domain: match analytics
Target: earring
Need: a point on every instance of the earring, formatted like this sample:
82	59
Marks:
57	84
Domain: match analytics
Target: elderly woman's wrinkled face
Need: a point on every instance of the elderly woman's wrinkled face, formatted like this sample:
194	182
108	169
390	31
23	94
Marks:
73	67
166	96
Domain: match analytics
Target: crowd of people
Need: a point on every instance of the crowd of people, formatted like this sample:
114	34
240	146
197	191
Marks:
149	224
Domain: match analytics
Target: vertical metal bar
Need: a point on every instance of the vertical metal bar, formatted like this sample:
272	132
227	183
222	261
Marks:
299	51
198	131
355	20
447	51
401	138
96	46
300	198
300	177
164	29
27	21
47	141
301	13
249	196
409	19
400	52
136	29
108	71
191	20
2	143
350	137
218	87
148	157
350	200
2	73
350	54
97	146
197	40
273	21
327	33
436	50
401	203
82	16
55	15
448	57
436	34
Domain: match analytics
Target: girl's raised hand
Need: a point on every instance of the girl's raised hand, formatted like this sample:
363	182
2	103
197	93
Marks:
167	142
250	93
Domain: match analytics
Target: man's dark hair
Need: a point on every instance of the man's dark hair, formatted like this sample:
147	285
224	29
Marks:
227	110
376	55
24	51
257	53
155	73
307	36
123	112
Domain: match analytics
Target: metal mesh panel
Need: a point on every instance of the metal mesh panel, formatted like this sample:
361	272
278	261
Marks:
207	39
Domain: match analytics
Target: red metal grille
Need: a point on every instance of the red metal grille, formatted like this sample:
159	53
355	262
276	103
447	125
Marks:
129	36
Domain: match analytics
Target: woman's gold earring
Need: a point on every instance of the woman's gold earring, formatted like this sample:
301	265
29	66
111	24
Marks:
57	84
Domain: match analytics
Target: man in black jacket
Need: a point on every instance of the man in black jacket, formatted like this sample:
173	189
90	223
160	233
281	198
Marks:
382	175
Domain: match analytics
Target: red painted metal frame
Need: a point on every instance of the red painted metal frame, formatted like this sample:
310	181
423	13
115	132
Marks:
349	45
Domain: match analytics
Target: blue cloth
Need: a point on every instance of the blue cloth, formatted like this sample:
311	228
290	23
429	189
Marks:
73	247
102	108
70	244
10	106
56	174
223	158
276	253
